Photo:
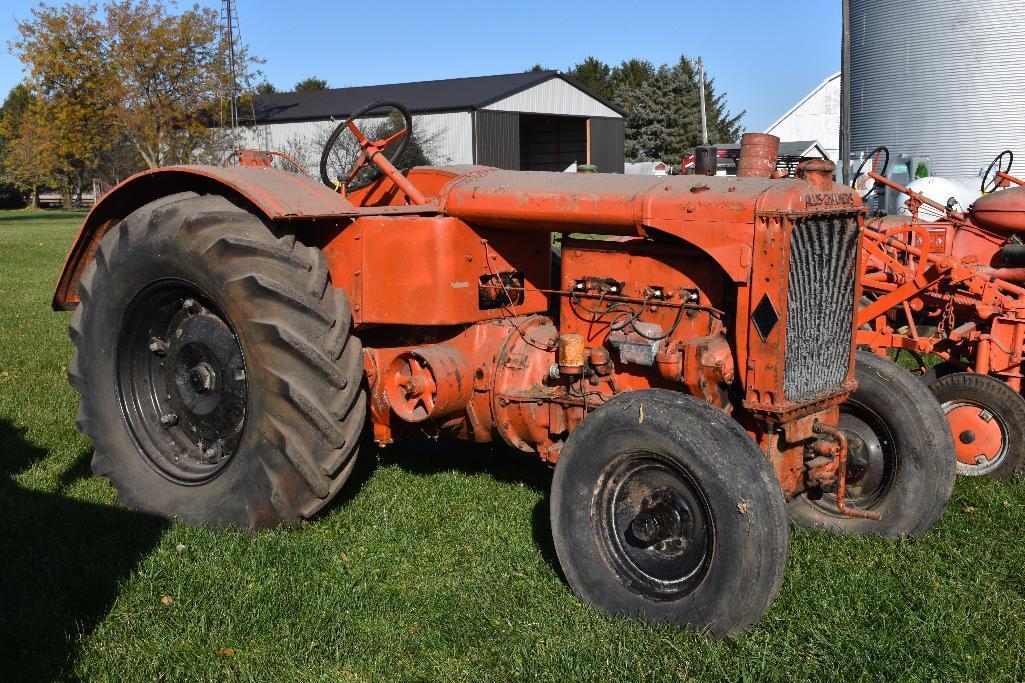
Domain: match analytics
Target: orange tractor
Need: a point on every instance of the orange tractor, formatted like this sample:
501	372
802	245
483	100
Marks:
241	333
955	288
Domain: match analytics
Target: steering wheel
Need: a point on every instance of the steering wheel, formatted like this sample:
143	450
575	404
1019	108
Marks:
995	166
367	161
861	178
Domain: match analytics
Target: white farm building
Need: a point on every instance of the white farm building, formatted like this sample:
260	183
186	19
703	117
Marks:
815	118
540	120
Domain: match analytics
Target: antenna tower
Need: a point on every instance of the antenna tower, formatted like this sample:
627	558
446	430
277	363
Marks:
231	41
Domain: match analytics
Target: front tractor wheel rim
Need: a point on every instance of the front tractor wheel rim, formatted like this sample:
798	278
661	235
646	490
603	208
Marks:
980	436
182	381
652	526
872	460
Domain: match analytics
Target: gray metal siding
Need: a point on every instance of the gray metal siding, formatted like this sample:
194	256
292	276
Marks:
497	139
608	145
938	79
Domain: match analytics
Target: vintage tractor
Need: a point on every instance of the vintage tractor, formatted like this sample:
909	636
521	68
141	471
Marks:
689	377
955	288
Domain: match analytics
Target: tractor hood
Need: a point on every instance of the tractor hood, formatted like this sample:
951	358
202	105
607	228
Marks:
715	213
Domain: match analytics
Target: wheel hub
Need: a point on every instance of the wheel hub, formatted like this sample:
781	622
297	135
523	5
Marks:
183	381
980	436
871	460
660	522
652	526
203	378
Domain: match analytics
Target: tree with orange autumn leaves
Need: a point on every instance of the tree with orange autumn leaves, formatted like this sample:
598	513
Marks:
136	85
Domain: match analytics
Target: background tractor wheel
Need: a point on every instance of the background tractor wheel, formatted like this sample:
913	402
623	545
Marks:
900	461
987	421
220	382
663	508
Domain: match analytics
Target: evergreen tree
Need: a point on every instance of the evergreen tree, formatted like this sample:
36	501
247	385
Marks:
627	79
594	74
663	120
265	88
311	83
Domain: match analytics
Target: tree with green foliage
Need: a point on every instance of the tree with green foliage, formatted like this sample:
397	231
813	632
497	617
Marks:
12	113
593	74
311	83
664	122
265	88
663	109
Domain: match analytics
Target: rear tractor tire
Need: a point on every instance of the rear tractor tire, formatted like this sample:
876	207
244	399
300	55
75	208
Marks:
987	421
900	457
220	383
663	508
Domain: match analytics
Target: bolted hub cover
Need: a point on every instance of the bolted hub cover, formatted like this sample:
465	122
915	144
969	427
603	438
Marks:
183	381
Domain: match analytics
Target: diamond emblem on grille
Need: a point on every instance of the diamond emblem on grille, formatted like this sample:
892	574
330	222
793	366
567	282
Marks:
765	317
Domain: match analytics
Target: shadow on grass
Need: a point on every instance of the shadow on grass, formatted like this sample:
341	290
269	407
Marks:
62	563
28	216
428	456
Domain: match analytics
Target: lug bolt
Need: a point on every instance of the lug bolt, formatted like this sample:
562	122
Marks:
213	453
158	346
191	306
168	420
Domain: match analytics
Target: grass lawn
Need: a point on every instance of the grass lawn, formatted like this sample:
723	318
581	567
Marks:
435	564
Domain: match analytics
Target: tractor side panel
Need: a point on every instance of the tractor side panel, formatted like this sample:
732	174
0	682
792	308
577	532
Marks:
438	271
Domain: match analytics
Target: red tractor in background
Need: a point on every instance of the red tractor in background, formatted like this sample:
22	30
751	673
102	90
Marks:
692	378
955	288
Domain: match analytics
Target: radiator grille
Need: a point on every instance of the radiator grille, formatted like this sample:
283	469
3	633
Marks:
820	305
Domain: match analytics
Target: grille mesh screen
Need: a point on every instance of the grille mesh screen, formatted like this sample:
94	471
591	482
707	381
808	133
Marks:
820	305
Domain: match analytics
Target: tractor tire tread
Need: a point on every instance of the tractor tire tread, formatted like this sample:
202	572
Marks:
299	328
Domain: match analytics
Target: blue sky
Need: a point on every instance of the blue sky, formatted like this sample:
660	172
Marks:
765	55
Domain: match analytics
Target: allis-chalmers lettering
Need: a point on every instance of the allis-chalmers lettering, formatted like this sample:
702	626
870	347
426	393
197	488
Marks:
819	199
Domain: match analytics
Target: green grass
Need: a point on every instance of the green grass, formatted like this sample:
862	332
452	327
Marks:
436	564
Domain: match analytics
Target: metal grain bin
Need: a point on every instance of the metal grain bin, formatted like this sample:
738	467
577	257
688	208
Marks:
941	79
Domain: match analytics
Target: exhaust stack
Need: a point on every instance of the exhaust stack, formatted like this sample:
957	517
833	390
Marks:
758	152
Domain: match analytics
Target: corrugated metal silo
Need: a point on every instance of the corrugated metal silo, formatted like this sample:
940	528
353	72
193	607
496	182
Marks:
938	78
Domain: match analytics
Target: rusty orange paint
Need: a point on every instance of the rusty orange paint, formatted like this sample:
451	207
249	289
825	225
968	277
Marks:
450	275
978	438
952	279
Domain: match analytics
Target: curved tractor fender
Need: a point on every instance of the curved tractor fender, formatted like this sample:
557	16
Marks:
274	194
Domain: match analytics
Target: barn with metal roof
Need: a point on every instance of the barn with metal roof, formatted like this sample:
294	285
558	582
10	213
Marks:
537	120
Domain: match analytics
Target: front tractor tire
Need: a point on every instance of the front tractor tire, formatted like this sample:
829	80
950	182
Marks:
663	508
220	383
900	461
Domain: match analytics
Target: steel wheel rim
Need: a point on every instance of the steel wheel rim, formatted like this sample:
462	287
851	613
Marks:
182	381
961	443
872	460
652	525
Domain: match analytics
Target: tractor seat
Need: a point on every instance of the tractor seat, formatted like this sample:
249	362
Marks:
1002	211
